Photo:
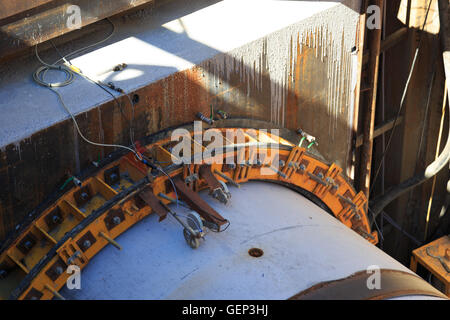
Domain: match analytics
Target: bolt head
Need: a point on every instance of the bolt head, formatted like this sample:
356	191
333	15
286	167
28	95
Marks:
116	220
59	270
28	244
87	244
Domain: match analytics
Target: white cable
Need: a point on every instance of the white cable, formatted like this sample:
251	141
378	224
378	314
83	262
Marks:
84	138
39	75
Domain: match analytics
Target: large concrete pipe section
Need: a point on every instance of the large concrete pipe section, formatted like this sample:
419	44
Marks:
301	245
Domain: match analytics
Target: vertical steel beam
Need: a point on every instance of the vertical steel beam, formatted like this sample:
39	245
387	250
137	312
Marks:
369	115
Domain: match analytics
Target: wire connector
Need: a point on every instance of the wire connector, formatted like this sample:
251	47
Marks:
120	67
205	119
305	136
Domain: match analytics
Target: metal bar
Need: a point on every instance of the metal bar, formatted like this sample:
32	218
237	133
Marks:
227	178
379	130
197	203
357	92
393	39
369	117
55	293
110	240
152	200
206	174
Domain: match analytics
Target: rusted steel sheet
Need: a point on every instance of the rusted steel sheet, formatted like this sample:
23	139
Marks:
197	203
211	180
32	24
10	8
151	200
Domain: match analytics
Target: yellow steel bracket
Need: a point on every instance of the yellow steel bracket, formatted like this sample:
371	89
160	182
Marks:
329	179
293	162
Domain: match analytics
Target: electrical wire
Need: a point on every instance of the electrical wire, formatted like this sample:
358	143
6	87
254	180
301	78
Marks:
113	30
99	83
39	77
69	70
405	90
83	137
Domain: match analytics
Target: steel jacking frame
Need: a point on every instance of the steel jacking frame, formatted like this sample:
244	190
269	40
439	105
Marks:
85	219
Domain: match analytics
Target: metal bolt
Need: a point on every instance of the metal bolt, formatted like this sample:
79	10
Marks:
320	175
55	219
28	245
113	176
77	182
205	119
302	167
84	196
282	174
258	162
231	165
59	270
116	220
87	244
282	163
3	274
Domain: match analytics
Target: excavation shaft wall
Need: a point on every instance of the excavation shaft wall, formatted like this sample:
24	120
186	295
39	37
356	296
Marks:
287	63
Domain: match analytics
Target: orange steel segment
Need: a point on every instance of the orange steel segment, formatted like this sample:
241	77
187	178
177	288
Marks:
300	170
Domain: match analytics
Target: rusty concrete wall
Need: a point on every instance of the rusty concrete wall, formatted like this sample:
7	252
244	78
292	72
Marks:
302	76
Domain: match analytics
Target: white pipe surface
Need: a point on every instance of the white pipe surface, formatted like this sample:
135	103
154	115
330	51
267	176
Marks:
303	245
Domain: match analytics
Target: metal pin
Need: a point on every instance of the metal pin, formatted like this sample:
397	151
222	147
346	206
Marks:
278	172
55	293
224	176
164	196
110	240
